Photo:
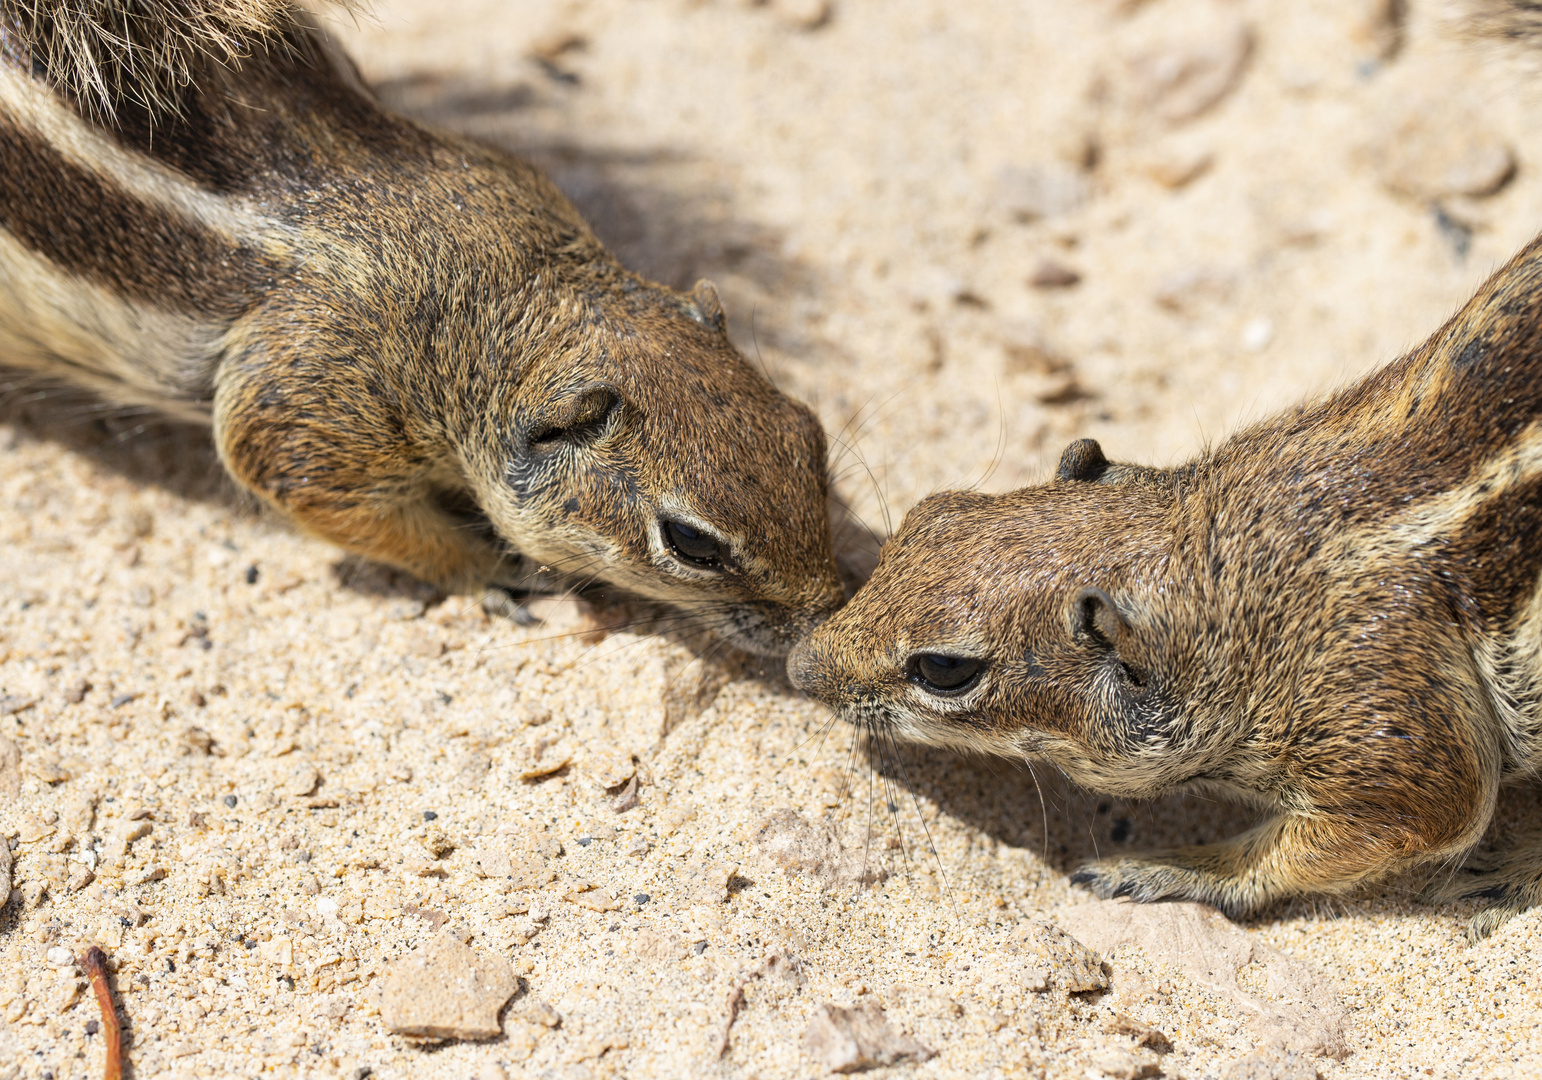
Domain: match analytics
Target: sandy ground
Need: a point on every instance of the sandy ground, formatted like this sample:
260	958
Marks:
285	770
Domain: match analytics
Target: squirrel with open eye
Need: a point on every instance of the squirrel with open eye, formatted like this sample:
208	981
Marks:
407	343
1335	617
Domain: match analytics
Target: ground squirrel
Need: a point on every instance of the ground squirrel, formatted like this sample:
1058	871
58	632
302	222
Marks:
1333	616
410	344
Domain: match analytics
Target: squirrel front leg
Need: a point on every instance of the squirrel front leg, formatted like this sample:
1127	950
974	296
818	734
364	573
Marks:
337	454
1286	855
1378	796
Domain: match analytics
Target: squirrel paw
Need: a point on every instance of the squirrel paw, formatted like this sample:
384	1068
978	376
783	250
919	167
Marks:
1510	880
1153	878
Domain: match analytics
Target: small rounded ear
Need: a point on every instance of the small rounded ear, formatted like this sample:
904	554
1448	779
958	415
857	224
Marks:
1083	460
1099	619
575	416
707	306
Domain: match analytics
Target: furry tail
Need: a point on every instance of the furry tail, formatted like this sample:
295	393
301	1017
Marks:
107	53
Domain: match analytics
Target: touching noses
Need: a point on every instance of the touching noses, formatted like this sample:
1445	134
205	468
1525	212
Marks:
803	666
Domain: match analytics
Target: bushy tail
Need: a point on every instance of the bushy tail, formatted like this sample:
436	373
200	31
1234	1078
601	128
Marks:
108	53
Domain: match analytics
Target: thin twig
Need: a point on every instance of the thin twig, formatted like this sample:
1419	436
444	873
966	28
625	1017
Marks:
95	963
735	1003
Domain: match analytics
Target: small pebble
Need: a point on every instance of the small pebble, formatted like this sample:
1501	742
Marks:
429	815
1257	334
803	14
1041	191
93	1026
1177	167
1438	148
537	1011
59	957
10	704
853	1040
1180	80
303	780
230	801
642	898
1050	274
445	990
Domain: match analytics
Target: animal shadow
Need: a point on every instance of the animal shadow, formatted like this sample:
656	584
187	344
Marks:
137	444
1063	826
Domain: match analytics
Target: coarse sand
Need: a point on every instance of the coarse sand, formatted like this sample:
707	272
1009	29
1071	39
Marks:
259	774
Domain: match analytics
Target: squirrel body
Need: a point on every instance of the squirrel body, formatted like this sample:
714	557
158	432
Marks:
409	344
1334	616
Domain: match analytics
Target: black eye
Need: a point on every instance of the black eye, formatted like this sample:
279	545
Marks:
938	673
692	545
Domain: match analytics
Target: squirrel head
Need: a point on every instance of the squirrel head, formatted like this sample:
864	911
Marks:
639	447
1026	624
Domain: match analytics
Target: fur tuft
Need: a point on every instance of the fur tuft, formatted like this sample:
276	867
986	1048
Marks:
106	54
1514	20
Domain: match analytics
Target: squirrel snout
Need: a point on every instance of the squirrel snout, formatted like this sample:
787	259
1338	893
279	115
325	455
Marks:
804	668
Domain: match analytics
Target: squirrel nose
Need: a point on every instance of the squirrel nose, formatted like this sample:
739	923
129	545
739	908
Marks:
803	667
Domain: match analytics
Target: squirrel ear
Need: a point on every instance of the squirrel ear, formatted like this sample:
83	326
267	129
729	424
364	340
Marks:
707	306
1097	618
1083	460
576	416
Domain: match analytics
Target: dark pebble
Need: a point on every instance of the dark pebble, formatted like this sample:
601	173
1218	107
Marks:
252	574
429	815
642	898
1053	275
122	699
230	801
585	841
699	948
93	1026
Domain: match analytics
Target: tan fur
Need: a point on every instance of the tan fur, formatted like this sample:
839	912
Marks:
1334	616
410	344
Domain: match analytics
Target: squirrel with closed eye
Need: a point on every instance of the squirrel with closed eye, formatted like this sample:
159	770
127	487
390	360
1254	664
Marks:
1334	616
407	343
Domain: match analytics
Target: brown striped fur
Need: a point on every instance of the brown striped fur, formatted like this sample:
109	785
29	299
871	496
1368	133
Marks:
410	344
1333	616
